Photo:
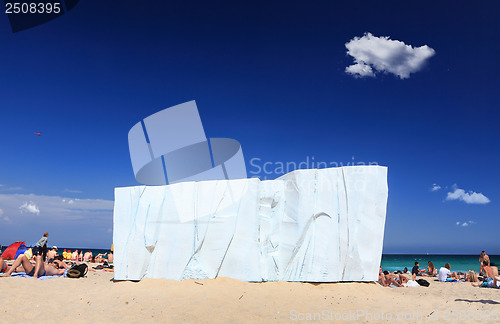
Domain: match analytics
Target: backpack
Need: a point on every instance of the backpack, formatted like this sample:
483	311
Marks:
423	282
78	271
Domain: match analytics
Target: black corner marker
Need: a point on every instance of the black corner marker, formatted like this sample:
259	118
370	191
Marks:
25	14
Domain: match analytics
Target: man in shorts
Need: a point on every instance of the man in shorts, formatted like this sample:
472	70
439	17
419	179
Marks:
35	271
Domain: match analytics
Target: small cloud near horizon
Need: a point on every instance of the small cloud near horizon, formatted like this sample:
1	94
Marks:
381	54
469	197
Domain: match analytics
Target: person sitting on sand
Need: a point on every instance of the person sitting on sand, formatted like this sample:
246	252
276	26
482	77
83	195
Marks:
110	257
405	270
431	269
482	259
100	258
446	275
52	253
35	271
74	255
87	257
489	270
415	271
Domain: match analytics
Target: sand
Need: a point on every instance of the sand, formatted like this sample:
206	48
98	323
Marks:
98	299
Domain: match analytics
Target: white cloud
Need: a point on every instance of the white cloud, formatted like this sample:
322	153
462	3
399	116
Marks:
435	187
30	207
465	224
469	197
360	70
385	55
1	211
55	208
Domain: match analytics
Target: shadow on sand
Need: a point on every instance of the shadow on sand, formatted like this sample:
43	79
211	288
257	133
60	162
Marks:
482	301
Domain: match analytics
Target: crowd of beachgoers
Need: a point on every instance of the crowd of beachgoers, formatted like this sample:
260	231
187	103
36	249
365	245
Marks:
38	261
487	277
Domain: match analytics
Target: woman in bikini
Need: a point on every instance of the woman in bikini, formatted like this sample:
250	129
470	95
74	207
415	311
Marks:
431	269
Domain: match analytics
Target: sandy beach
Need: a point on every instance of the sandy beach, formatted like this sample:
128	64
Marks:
98	299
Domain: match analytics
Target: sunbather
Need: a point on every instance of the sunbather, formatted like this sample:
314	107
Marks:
35	271
488	282
386	279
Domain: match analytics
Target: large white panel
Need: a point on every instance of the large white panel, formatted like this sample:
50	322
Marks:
323	225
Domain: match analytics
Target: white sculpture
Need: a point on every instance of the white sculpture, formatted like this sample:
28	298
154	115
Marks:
317	225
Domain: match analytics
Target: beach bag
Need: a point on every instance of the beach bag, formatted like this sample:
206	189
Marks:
423	282
78	271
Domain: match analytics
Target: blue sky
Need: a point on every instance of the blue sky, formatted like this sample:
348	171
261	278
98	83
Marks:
271	74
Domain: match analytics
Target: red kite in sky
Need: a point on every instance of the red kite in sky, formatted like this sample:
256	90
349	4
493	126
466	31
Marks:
39	134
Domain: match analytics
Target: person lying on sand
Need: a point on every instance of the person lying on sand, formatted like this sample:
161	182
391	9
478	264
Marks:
59	264
35	271
446	275
386	279
488	282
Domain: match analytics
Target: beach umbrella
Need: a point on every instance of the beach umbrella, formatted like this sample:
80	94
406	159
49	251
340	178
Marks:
14	250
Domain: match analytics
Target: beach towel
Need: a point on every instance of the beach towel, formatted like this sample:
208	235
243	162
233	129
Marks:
24	275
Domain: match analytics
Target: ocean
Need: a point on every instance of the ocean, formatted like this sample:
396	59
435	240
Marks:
458	263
